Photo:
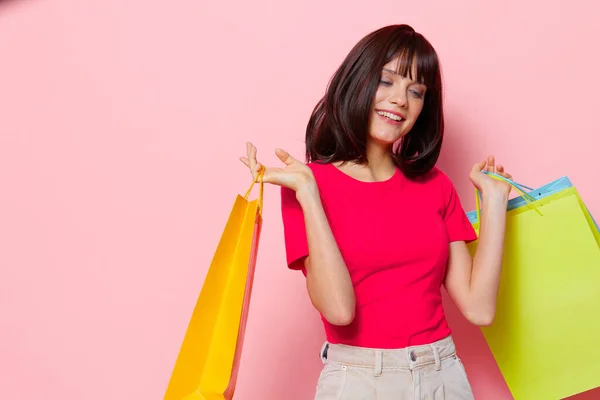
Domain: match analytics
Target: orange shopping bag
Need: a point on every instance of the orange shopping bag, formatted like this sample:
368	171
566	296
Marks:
208	360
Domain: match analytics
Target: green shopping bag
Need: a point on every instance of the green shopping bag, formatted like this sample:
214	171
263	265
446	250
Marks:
545	334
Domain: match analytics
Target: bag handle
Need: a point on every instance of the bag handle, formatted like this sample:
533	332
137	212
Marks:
519	188
258	178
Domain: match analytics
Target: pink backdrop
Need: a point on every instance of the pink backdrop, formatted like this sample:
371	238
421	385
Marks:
121	125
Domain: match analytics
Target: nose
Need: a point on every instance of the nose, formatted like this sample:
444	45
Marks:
399	98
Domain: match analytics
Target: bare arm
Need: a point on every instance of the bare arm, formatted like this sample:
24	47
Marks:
328	280
473	282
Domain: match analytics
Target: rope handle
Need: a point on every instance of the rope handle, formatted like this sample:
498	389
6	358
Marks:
519	188
258	178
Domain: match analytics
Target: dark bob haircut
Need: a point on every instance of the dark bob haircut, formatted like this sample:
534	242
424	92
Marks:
338	127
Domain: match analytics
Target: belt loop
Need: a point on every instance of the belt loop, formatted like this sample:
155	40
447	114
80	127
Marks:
378	362
323	353
436	356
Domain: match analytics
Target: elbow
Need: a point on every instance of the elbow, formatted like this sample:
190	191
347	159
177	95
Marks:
336	313
481	318
336	307
342	313
340	317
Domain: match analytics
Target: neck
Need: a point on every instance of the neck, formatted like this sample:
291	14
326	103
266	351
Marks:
380	164
379	157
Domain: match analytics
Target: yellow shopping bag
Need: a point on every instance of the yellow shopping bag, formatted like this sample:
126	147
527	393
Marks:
208	360
545	334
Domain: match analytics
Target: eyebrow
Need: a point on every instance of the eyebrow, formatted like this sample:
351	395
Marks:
391	71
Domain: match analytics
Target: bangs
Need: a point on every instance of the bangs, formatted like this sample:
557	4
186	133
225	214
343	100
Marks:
338	128
416	55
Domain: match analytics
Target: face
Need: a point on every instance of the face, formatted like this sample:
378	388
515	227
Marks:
397	104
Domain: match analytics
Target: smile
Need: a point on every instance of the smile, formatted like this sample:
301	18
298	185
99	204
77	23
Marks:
390	116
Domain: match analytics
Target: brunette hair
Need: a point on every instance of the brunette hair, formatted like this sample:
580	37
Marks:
338	127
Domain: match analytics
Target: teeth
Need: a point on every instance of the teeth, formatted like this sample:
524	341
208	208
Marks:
389	115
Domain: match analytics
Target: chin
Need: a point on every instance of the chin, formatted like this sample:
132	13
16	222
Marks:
385	140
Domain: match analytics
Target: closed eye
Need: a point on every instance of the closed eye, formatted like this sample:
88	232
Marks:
417	94
386	83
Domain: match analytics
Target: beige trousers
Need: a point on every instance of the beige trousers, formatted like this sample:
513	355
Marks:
428	372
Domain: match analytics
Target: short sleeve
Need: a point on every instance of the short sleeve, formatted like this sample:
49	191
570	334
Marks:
457	223
296	244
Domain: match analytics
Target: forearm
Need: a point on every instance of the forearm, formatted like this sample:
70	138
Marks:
487	262
328	280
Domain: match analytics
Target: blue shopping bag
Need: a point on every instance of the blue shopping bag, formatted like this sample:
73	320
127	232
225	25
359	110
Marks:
549	189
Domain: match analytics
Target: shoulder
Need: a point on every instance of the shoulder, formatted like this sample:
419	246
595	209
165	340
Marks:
323	177
441	177
436	178
324	173
318	167
438	185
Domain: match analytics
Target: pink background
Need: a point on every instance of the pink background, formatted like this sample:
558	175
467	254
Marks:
121	125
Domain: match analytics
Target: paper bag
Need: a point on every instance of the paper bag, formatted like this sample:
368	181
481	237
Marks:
545	333
208	360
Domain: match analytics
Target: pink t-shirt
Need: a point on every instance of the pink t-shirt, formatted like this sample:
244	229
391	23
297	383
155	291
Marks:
394	237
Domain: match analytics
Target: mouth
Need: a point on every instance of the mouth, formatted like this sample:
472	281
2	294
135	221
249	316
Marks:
390	116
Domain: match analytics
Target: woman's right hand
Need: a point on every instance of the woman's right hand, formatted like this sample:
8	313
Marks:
295	175
327	278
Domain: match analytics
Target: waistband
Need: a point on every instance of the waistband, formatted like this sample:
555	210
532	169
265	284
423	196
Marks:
406	358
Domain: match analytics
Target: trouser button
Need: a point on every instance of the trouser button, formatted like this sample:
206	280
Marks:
413	356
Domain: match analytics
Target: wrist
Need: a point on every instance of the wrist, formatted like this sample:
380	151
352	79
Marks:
307	192
494	196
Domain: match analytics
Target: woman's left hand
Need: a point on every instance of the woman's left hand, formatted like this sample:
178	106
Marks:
486	184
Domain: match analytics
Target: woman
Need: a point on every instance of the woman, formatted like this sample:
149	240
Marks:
377	229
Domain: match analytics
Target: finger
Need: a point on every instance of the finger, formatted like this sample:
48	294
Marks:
257	165
285	157
479	166
245	161
491	164
251	157
249	153
501	172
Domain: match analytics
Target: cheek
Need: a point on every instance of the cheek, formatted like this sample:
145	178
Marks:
417	108
380	95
